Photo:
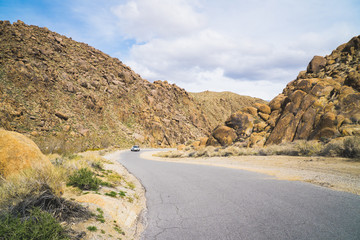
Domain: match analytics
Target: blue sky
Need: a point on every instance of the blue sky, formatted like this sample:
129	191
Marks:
249	47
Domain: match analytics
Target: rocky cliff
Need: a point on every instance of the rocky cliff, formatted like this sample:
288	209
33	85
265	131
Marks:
68	96
322	103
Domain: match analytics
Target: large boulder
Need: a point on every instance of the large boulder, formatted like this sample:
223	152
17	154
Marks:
224	135
18	152
241	122
316	64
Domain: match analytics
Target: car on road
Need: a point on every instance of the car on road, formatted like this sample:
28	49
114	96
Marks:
135	148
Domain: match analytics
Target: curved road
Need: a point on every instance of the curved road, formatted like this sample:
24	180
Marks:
196	202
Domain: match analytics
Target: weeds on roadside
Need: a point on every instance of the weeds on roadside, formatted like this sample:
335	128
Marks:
348	147
31	182
84	179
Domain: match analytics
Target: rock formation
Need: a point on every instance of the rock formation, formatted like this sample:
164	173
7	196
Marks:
18	152
322	103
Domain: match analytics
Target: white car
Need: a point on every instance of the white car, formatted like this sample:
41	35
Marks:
135	148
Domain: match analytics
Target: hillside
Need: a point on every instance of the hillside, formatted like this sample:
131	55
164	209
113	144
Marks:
217	106
321	104
68	96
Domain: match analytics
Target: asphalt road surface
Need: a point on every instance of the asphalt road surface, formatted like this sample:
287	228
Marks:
196	202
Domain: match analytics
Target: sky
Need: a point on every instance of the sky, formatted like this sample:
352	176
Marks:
250	47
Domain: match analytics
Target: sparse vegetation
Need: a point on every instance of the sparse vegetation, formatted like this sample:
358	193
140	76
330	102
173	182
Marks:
130	185
111	194
38	225
130	199
119	229
348	147
352	148
31	182
92	228
114	178
100	216
122	194
84	179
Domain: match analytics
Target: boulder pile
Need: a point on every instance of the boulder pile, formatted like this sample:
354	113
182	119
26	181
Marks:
322	103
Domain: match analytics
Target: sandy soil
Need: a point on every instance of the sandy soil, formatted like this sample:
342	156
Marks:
123	216
337	173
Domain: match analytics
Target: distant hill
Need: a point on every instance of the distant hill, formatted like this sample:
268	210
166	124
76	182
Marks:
218	106
322	103
69	96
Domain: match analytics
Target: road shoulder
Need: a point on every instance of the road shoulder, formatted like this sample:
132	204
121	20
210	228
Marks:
340	174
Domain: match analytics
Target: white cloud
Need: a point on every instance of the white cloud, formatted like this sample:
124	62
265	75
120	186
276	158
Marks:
147	19
249	47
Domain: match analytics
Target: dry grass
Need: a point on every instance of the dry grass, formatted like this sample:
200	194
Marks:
346	147
31	182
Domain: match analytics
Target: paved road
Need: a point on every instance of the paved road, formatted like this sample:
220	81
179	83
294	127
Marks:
203	202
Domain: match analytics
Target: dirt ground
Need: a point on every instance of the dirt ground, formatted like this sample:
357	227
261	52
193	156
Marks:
340	174
122	216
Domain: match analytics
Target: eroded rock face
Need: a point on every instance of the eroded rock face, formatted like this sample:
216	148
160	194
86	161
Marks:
322	103
18	152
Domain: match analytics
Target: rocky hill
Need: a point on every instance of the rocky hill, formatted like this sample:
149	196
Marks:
68	96
322	103
217	106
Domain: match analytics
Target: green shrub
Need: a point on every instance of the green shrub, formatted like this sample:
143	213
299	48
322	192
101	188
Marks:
122	194
92	228
111	194
84	179
100	216
39	225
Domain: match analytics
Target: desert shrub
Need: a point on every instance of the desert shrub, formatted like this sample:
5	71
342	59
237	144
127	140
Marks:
84	179
31	182
351	147
100	216
60	208
334	148
348	147
92	228
296	148
38	225
308	148
122	194
111	194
